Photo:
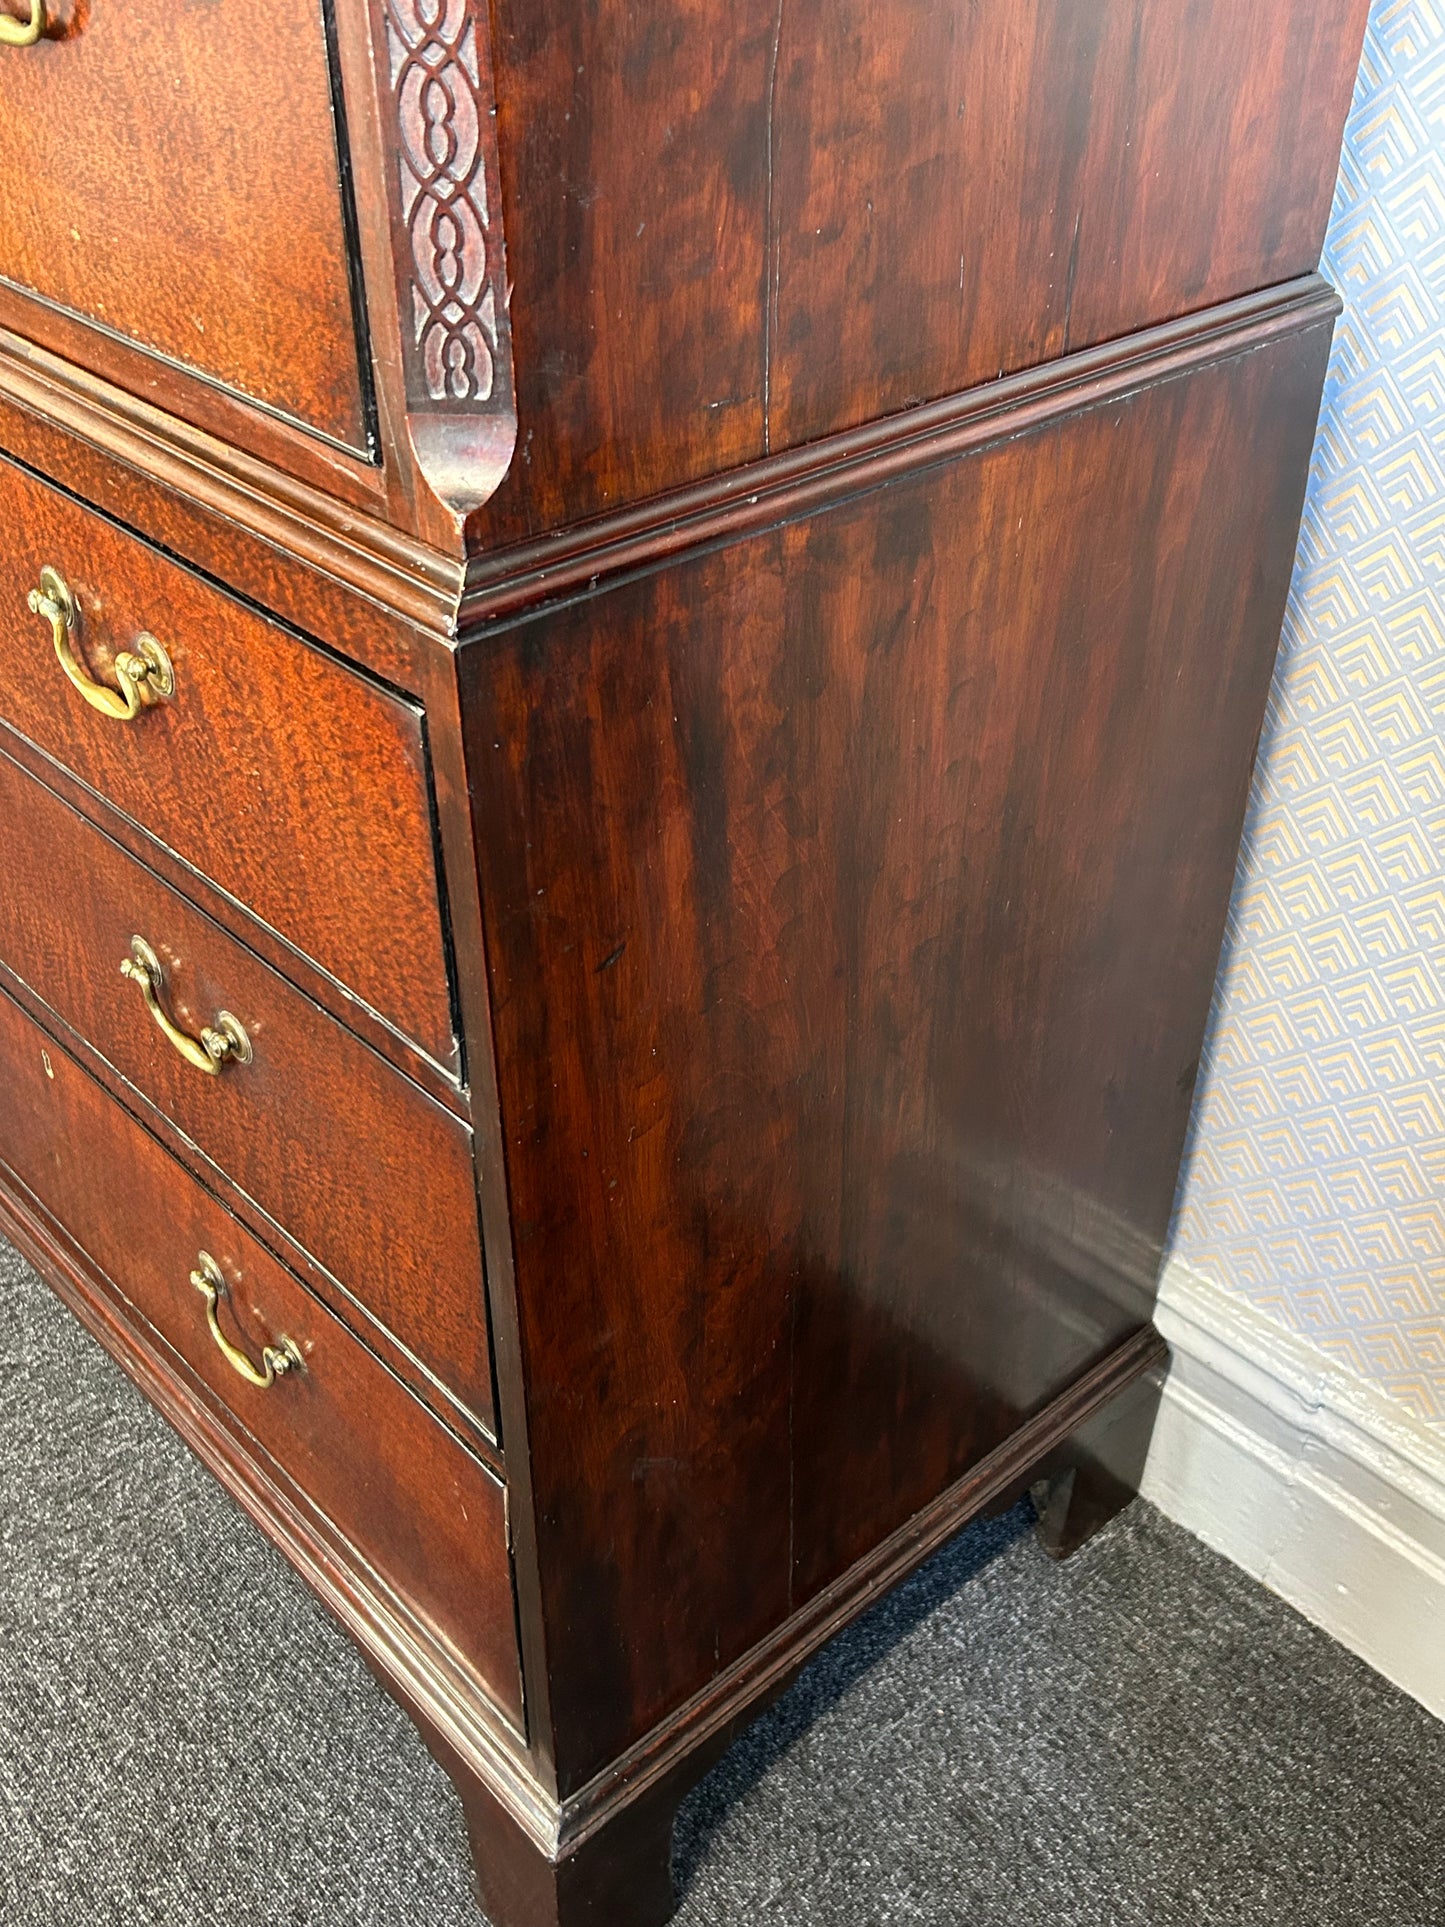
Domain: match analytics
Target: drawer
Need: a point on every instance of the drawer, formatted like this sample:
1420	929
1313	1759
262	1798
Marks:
167	202
293	782
366	1171
428	1517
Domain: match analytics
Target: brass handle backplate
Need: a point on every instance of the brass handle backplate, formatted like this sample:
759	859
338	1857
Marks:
225	1042
23	33
144	673
276	1360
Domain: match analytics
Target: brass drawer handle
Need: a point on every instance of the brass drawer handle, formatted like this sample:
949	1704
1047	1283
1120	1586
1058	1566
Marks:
210	1281
23	33
143	673
225	1043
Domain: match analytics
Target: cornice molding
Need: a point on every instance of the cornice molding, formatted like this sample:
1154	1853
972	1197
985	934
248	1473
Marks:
367	555
363	552
801	480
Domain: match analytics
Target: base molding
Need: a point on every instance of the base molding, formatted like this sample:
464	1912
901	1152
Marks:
799	481
1089	1421
1311	1480
533	1849
415	1667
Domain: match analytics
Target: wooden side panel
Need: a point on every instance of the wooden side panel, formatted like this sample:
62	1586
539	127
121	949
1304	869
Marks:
634	176
725	242
983	187
179	188
853	896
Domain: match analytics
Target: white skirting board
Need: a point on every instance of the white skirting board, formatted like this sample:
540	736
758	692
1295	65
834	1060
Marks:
1313	1481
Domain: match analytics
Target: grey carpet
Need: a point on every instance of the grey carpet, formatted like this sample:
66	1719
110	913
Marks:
1141	1738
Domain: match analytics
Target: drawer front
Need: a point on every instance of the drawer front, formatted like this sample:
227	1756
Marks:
181	191
428	1517
291	781
360	1166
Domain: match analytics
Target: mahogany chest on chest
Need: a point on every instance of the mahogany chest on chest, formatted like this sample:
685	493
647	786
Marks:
633	642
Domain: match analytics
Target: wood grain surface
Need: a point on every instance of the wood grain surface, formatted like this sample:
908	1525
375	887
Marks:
344	1153
723	244
297	785
428	1516
851	959
181	193
757	851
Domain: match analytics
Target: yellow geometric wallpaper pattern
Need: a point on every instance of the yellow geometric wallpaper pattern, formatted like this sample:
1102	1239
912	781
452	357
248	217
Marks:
1315	1184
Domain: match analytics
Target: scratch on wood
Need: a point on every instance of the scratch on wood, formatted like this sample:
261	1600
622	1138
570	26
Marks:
770	311
1073	274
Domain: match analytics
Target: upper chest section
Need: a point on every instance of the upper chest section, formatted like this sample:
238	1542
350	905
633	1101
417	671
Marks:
274	236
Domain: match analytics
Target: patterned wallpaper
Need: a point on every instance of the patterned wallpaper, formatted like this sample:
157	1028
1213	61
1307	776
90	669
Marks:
1316	1182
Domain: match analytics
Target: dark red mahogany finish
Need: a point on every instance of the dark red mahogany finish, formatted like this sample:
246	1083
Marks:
854	863
738	240
716	683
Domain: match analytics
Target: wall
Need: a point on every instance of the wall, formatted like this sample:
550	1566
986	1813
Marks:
1302	1431
1315	1186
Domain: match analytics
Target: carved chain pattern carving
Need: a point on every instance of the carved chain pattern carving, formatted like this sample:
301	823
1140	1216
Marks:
442	112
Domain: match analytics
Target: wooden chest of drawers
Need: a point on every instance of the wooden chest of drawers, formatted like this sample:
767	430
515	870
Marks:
633	643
